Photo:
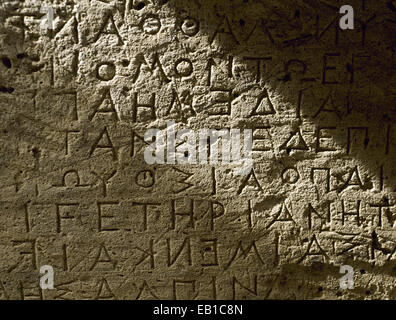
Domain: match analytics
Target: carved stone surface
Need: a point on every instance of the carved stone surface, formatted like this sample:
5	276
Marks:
77	194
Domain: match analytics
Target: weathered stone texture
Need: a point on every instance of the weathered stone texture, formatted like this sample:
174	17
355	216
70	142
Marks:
77	194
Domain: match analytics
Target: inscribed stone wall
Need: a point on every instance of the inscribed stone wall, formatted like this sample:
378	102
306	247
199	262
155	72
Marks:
77	194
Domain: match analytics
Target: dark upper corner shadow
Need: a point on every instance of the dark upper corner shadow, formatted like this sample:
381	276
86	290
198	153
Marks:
300	33
331	77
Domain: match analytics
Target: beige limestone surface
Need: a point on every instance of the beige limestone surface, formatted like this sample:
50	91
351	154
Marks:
77	194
